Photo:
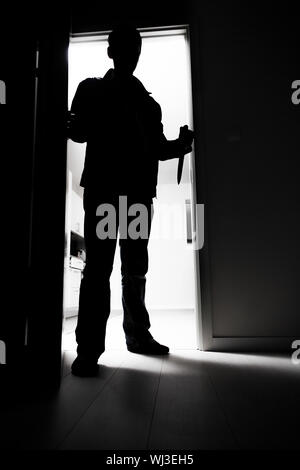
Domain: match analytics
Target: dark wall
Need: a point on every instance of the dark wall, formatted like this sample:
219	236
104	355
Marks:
97	16
17	70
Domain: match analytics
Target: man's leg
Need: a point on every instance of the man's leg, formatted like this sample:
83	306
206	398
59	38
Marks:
94	300
134	259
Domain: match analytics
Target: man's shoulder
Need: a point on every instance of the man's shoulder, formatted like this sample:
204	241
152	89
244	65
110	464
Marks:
89	87
147	95
90	82
153	105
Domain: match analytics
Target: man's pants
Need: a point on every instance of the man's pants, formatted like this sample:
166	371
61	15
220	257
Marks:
94	300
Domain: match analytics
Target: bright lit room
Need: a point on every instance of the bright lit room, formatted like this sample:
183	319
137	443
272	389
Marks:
164	69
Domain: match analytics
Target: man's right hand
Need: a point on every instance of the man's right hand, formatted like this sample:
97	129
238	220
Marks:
186	137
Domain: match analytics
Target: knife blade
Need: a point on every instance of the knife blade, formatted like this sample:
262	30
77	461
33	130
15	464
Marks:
179	168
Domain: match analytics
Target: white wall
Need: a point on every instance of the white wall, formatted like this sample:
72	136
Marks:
170	280
77	213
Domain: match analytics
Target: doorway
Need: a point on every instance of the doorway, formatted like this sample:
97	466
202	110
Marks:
173	283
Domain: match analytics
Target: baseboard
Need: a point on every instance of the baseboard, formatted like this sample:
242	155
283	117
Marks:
250	344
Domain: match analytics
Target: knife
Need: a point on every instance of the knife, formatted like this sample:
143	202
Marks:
184	133
179	168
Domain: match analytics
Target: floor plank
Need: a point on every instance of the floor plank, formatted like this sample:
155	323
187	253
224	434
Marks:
190	400
260	397
188	414
44	422
121	415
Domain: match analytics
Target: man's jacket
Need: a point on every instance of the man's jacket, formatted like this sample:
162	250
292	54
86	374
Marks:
121	124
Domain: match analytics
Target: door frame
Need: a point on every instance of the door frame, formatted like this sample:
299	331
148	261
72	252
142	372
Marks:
152	31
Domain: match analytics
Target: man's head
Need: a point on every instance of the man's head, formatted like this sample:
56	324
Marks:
124	47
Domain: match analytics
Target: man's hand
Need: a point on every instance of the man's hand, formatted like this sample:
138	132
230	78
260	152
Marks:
186	137
70	121
179	147
75	128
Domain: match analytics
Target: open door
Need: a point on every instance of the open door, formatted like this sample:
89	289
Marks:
33	97
46	247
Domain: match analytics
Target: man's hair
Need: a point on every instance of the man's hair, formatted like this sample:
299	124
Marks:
124	34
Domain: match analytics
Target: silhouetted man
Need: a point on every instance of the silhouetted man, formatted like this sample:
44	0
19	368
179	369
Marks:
121	124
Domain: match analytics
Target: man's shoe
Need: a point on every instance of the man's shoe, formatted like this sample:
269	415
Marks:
150	347
84	368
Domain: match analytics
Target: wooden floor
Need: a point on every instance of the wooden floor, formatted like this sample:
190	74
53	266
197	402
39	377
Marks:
188	400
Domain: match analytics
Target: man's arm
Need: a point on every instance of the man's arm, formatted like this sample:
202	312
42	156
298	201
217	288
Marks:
77	116
169	149
176	148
